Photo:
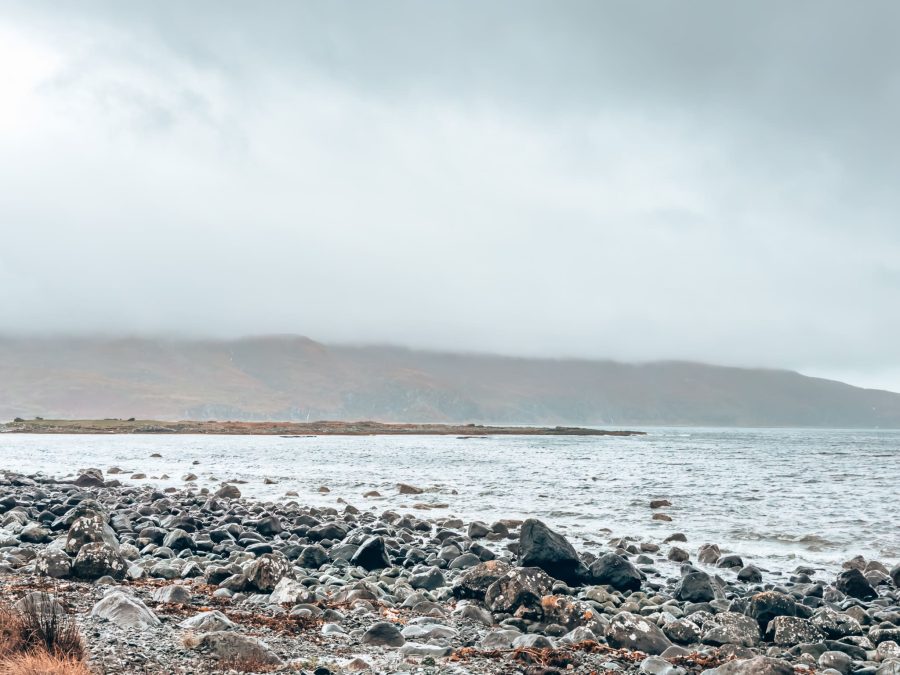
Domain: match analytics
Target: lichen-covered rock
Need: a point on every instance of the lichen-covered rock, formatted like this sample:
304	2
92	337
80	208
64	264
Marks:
835	625
569	613
264	573
89	529
99	560
475	581
520	587
53	563
731	628
208	622
770	604
289	592
629	631
788	631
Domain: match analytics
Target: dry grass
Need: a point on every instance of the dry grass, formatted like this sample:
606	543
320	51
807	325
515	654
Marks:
45	626
40	639
42	663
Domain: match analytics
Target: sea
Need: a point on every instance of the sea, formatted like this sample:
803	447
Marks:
780	498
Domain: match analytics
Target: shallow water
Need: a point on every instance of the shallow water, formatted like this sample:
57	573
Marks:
778	497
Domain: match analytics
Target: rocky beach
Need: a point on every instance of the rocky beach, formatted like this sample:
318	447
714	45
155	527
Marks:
197	580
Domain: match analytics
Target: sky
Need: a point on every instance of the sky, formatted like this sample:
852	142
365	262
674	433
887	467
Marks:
643	180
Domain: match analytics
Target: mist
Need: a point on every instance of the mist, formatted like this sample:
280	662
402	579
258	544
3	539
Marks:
702	181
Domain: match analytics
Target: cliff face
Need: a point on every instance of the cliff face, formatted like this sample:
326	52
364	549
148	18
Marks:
293	378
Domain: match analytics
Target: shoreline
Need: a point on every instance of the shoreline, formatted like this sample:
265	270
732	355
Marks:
192	580
289	429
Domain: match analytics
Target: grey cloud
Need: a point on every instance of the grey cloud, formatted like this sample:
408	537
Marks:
637	180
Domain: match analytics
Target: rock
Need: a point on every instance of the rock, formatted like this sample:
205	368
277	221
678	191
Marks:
758	665
40	604
189	477
312	556
178	540
539	546
731	628
429	580
895	575
371	555
750	574
695	586
729	561
677	554
90	478
289	592
520	587
682	631
383	634
629	631
770	604
53	563
709	554
659	503
569	613
839	661
97	560
405	489
852	582
208	622
835	624
887	650
474	582
788	631
89	529
124	610
174	594
227	492
613	570
477	530
233	647
656	665
264	573
33	533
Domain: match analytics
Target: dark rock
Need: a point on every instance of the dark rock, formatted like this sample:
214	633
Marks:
227	492
695	586
750	574
371	555
539	546
474	582
519	587
709	554
758	665
770	604
613	570
89	478
852	582
788	631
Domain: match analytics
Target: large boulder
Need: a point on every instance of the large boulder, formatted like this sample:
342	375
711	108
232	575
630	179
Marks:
264	573
90	478
629	631
383	634
852	582
97	560
613	570
289	592
474	582
520	587
209	621
835	625
371	555
89	529
539	546
124	610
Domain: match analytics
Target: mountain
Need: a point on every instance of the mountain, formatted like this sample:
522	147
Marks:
294	378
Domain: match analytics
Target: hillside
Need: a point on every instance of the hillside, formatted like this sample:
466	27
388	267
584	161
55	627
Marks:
294	378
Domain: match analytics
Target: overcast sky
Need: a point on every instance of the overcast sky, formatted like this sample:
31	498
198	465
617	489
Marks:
636	180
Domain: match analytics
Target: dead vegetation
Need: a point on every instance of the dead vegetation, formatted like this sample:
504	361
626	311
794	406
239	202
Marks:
38	637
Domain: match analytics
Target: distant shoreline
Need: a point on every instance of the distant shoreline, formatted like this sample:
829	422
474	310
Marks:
288	429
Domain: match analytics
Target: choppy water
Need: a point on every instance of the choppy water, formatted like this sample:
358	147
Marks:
778	497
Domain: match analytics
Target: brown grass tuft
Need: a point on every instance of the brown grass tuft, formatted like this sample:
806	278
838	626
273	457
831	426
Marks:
46	626
42	663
